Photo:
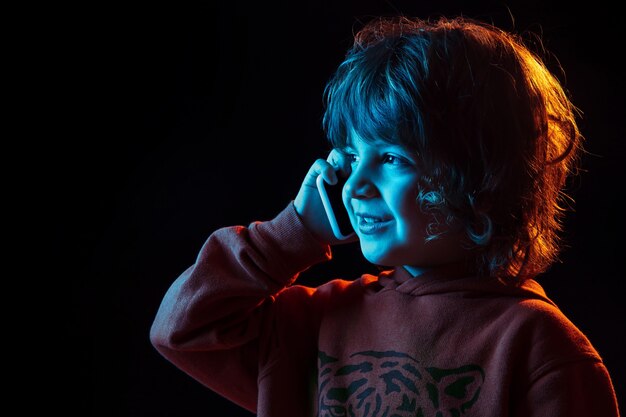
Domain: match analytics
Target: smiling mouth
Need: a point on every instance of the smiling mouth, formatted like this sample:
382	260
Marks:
371	224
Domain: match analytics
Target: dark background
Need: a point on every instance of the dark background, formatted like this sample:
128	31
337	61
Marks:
179	120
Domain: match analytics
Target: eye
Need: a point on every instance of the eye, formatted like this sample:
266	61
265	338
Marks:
351	158
349	155
395	159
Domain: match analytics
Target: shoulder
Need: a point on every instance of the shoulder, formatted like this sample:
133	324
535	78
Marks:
560	355
545	321
547	338
333	290
303	306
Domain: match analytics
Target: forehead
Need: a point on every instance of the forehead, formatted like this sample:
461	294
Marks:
358	142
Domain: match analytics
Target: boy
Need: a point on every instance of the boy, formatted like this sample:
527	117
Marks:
456	143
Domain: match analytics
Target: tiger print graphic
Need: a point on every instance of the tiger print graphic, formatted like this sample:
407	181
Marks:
394	384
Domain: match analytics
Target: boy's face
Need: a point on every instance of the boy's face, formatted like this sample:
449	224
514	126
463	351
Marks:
381	198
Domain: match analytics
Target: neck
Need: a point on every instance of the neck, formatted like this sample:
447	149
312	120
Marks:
464	265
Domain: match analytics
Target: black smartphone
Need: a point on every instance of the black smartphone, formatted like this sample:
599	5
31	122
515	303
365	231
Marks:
335	210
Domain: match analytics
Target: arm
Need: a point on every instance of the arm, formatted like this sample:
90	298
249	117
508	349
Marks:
575	389
218	321
211	320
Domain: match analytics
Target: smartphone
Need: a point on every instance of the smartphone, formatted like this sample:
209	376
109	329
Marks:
335	210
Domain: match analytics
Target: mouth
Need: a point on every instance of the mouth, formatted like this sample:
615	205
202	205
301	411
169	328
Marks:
370	224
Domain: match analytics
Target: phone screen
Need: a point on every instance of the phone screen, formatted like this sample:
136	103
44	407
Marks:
335	210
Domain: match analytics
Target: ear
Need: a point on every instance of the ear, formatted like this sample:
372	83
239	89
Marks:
457	388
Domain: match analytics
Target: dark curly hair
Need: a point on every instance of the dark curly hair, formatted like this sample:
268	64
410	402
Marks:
492	127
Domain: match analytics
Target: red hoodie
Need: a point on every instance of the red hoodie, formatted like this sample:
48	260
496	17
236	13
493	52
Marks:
443	344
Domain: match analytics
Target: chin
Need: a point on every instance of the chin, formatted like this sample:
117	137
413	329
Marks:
371	256
382	258
391	259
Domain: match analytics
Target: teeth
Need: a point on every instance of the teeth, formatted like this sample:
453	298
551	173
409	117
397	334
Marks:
370	219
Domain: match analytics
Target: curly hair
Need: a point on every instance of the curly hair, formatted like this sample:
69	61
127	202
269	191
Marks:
493	129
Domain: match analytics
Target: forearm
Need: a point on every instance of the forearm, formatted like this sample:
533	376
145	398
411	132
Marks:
237	270
210	319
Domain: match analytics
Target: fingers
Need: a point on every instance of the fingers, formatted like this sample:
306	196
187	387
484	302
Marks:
325	169
340	162
336	162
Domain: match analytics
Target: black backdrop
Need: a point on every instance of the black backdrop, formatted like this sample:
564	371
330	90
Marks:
187	119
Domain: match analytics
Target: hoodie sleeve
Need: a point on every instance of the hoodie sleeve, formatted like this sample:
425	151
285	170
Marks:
566	375
211	321
576	389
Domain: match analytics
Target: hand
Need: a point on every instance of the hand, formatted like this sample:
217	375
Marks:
308	203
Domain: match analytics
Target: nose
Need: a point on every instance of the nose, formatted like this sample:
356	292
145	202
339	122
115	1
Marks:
360	184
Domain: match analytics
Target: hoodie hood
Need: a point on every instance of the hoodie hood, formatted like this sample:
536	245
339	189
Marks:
458	278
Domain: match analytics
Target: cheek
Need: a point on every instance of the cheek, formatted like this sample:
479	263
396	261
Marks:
412	229
410	218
